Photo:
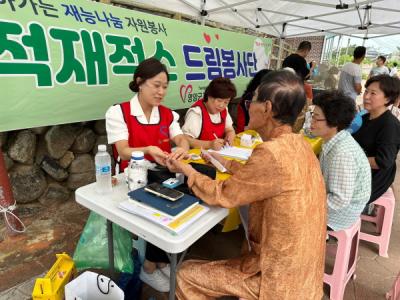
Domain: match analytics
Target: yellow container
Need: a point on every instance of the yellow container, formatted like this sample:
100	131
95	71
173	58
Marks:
316	143
51	287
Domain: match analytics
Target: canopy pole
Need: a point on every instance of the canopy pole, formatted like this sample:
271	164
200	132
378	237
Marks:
281	38
203	12
323	51
348	45
279	64
330	49
339	48
7	202
365	37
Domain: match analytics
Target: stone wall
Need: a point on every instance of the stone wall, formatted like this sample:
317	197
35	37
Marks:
47	164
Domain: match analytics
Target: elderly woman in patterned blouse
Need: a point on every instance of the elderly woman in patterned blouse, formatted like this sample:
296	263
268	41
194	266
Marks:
284	187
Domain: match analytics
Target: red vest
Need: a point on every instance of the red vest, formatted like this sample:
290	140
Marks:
146	134
240	119
208	128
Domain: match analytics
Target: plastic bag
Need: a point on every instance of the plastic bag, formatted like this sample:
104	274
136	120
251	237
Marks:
92	248
131	283
90	285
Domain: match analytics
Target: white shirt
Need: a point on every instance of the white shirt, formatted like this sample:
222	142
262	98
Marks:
193	121
116	126
393	72
350	75
379	71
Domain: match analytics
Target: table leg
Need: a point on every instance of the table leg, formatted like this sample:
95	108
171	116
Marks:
174	265
173	257
110	248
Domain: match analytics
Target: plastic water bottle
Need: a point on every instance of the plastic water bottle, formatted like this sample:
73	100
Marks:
103	170
137	171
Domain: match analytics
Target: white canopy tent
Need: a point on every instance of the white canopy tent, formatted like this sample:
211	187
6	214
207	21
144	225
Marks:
293	18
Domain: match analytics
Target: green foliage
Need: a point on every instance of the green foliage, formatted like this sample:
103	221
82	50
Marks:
390	63
342	59
368	61
350	50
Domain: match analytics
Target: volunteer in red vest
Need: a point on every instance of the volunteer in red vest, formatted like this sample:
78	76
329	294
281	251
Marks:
143	124
208	123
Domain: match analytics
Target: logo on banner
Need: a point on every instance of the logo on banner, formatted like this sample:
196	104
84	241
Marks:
188	95
184	91
207	37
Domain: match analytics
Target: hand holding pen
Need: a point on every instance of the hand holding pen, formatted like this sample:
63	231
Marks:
217	143
229	138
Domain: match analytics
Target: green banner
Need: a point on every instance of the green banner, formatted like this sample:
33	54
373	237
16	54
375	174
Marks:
64	63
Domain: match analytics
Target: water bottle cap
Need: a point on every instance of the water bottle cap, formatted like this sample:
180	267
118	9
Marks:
137	155
102	148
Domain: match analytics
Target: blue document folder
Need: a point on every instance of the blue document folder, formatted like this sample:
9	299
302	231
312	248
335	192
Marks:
171	208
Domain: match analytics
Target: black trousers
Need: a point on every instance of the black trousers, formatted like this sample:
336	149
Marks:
155	254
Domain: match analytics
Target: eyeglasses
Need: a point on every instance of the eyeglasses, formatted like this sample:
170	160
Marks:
314	118
247	104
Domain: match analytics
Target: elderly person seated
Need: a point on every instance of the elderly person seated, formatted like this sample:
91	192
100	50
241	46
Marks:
284	187
344	164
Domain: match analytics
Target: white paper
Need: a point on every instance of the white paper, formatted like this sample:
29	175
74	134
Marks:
163	220
235	152
215	162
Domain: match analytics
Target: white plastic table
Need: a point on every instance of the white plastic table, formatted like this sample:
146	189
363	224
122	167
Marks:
106	205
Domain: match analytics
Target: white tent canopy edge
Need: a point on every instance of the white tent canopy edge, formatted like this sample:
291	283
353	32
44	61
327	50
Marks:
292	18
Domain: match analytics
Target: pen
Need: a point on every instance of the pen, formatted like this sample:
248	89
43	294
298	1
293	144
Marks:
225	143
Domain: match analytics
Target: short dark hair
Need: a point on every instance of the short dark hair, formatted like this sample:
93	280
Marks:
253	84
285	90
359	52
304	45
390	86
381	57
147	69
339	109
220	88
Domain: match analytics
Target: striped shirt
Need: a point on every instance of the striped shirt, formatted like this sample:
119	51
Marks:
347	176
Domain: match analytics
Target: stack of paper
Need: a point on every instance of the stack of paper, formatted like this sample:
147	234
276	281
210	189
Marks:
235	152
175	225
